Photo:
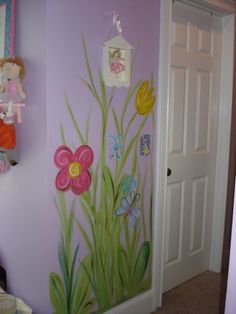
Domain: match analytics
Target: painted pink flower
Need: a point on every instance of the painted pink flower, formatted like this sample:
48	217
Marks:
73	173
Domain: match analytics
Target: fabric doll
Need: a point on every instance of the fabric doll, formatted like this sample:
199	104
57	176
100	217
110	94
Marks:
13	73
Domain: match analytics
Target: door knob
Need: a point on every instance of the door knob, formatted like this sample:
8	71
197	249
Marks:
169	171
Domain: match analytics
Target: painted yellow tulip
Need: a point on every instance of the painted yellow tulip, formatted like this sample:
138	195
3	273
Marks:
144	100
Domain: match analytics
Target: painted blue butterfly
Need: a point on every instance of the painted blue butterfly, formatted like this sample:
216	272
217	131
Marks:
127	208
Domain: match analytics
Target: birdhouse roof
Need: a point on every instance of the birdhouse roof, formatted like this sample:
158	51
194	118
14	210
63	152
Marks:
118	42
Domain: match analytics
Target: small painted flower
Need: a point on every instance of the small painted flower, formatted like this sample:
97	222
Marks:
73	173
145	143
116	146
144	100
128	210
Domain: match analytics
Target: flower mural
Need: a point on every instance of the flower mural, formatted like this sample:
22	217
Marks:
115	233
73	167
144	100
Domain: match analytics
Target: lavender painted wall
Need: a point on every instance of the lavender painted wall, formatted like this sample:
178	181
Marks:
65	59
231	288
27	249
65	65
29	229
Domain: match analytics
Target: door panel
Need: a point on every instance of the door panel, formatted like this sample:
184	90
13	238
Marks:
203	102
177	140
174	211
194	79
198	214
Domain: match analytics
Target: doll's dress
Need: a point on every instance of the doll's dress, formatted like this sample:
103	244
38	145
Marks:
7	136
116	66
11	91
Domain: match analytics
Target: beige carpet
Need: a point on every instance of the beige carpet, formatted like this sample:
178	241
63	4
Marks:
199	295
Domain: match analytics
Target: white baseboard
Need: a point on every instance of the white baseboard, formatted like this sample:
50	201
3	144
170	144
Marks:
142	304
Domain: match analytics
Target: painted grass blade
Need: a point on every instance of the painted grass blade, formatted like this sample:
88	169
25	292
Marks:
82	140
63	139
123	270
109	186
87	63
85	237
117	126
95	95
87	126
57	294
131	145
82	291
130	94
143	203
103	89
132	119
142	262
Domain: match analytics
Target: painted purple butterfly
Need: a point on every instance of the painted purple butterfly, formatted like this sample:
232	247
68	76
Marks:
127	208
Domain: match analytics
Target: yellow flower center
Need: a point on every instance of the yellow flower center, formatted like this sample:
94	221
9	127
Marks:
74	170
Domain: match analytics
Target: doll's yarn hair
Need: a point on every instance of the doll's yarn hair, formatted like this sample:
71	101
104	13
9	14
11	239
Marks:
16	60
116	52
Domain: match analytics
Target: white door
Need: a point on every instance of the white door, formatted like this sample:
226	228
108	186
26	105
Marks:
193	110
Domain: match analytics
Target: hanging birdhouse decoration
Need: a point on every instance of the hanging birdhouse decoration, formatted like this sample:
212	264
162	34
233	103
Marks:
116	62
117	59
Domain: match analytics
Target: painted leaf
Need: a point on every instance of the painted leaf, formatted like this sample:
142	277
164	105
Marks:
123	270
81	295
57	294
108	181
116	121
84	233
87	309
142	261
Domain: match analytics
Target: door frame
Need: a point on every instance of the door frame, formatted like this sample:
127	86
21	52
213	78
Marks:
225	9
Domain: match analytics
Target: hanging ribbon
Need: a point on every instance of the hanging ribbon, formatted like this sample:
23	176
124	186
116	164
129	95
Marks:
117	21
